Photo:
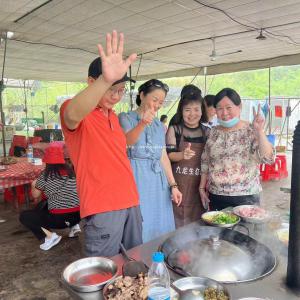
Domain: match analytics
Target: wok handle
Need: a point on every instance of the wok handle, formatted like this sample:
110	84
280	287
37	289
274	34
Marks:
247	229
180	271
124	252
177	269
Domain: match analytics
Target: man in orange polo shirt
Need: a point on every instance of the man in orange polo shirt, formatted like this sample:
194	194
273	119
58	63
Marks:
108	196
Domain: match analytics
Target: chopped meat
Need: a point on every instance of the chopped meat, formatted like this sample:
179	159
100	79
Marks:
252	212
128	288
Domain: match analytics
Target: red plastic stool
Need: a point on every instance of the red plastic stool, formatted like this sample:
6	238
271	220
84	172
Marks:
8	195
19	194
33	140
270	172
282	165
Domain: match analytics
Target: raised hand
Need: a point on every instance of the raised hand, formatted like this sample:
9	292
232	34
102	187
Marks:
148	115
113	65
188	153
258	120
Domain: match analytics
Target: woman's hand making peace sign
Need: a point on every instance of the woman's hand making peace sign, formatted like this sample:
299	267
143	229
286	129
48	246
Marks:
258	119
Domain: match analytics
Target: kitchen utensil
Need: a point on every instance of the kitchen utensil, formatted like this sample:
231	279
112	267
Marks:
89	274
222	254
132	267
197	286
188	294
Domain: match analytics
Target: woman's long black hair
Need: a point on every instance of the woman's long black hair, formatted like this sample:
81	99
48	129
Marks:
190	93
54	170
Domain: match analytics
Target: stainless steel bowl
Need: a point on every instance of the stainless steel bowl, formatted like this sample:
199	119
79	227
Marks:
89	274
254	298
199	284
253	220
206	216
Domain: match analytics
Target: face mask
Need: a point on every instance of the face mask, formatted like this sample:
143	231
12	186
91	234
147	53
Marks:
230	123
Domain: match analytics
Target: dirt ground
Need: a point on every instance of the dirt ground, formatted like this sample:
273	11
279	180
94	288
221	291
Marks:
28	273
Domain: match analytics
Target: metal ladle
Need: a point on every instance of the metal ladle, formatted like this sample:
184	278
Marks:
132	267
189	294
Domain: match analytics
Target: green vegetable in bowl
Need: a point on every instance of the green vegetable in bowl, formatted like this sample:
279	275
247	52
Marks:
224	218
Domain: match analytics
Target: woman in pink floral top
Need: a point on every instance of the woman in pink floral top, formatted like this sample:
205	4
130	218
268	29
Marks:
231	157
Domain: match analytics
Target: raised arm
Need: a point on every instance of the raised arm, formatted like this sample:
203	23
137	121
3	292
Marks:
264	146
113	68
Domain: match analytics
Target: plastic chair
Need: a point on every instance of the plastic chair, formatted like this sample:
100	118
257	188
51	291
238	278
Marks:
18	140
18	194
34	140
270	172
282	165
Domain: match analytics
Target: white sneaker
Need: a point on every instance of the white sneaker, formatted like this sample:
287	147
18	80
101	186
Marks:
74	231
50	242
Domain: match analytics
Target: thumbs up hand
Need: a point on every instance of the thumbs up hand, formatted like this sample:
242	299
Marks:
148	115
188	153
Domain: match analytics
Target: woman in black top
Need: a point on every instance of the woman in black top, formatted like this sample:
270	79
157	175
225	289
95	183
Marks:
186	138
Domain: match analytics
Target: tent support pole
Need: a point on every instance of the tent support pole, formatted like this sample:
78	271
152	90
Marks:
26	109
205	80
131	87
270	119
1	94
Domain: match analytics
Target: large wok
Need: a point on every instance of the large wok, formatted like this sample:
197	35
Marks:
224	255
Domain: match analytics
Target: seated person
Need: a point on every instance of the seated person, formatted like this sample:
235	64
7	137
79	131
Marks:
57	182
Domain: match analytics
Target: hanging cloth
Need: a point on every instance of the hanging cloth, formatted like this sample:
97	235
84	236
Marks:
278	111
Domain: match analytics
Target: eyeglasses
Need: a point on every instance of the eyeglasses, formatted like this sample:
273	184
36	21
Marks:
156	83
119	92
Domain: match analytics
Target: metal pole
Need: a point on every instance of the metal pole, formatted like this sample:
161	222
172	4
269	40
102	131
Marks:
205	80
47	110
26	109
131	89
1	91
293	265
270	112
43	117
287	127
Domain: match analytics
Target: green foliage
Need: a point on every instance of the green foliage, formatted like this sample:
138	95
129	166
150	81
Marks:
249	84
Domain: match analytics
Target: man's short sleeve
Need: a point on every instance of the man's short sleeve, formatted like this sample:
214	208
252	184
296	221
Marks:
64	127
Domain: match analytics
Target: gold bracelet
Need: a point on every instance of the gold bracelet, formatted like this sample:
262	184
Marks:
174	185
201	188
